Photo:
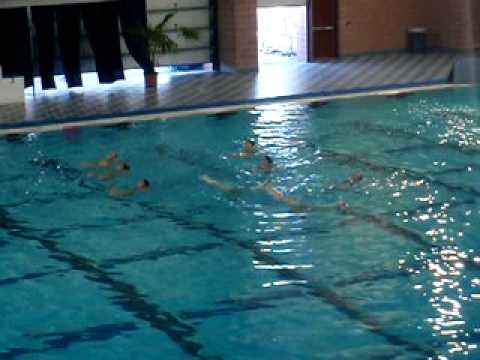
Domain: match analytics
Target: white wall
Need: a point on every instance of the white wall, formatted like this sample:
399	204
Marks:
189	13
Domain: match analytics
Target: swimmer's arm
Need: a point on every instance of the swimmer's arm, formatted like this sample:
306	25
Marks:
268	188
121	192
240	155
337	205
96	164
219	185
88	165
107	176
278	195
298	206
103	177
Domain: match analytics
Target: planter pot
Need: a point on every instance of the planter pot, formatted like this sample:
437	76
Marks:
151	80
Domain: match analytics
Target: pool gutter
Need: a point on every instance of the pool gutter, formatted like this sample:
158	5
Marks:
214	108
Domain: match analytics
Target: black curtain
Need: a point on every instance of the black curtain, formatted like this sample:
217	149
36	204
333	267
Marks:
133	18
101	24
43	18
68	26
16	54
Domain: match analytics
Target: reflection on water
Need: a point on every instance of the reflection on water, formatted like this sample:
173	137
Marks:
441	268
392	265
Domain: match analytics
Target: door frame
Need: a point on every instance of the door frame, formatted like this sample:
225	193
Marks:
310	58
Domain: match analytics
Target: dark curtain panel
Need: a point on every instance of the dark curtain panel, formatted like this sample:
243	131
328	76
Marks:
43	18
68	26
15	54
133	18
101	24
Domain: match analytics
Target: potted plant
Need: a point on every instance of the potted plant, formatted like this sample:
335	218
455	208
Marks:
159	42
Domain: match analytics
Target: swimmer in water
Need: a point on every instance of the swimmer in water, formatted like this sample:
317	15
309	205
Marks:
348	183
266	164
249	149
294	204
142	186
102	163
232	189
121	168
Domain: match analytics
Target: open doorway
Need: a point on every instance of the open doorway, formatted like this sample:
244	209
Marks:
282	34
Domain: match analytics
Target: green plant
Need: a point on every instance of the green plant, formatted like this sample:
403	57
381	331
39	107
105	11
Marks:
159	42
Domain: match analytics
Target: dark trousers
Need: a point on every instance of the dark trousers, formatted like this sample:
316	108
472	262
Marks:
133	18
15	52
44	21
68	26
101	24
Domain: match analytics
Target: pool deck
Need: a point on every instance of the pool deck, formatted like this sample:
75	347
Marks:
273	82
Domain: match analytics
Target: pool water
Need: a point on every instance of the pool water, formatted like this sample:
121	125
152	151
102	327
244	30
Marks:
390	270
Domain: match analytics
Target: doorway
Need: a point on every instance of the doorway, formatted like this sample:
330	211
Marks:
282	34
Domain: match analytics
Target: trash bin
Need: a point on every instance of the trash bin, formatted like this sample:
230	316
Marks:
417	40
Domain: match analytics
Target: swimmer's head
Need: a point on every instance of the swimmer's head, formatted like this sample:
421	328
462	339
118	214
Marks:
356	178
112	156
143	185
266	164
249	143
123	166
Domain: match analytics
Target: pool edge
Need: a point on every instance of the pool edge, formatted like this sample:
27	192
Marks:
212	108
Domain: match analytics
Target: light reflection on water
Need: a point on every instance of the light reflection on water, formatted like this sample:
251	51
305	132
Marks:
440	275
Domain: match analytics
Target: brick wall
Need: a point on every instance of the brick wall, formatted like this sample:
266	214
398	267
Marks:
364	26
237	22
377	25
453	24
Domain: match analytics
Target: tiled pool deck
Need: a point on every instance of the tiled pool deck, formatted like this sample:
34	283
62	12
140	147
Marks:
273	82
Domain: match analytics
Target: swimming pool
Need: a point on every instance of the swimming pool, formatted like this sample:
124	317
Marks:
187	271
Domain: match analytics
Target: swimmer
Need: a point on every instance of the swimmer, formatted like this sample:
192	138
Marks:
219	184
142	186
347	184
249	149
121	168
265	165
106	162
296	205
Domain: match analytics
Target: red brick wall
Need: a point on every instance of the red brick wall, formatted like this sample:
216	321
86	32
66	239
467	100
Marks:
453	24
364	26
376	25
238	34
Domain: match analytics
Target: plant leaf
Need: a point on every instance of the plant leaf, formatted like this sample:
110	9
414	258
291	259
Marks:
164	21
189	33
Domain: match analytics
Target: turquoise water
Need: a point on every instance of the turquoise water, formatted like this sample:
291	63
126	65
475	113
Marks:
187	271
